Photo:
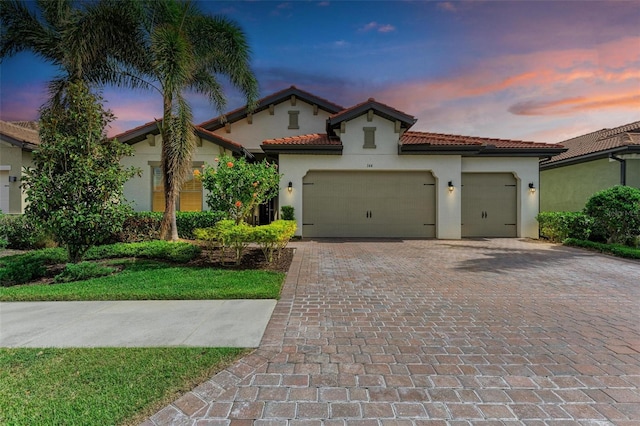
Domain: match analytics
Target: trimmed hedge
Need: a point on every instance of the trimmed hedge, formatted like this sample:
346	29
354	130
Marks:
228	234
558	226
616	211
615	249
145	226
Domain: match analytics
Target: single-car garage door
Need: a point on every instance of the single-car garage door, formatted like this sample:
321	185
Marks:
368	204
489	206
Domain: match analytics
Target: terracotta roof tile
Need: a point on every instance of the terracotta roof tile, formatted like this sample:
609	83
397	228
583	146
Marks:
600	140
20	133
424	138
312	139
129	132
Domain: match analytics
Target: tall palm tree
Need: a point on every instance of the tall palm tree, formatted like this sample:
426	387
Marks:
187	50
84	40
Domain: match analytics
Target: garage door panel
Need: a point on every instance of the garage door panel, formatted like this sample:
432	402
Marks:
489	206
368	204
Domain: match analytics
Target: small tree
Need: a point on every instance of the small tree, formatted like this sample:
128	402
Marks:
236	187
75	188
617	211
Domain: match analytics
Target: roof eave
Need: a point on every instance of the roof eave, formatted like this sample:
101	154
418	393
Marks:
28	146
302	149
276	98
437	149
382	111
631	149
138	135
223	143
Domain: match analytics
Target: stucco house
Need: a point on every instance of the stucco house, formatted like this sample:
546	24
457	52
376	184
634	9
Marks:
361	172
17	142
592	162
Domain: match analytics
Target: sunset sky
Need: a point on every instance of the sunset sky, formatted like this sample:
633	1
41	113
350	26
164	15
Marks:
532	70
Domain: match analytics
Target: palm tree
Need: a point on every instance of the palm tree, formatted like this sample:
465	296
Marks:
84	40
186	50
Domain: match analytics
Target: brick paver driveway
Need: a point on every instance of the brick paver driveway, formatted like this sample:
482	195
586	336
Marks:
438	332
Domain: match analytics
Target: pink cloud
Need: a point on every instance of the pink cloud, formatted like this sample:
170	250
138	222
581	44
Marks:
510	91
381	28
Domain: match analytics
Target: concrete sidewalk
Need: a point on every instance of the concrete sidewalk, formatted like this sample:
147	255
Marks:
147	323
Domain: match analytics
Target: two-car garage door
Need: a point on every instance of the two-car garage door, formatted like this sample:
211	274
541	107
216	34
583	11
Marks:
368	204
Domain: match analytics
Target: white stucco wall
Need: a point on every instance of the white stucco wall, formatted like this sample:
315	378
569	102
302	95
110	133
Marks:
385	157
266	126
138	190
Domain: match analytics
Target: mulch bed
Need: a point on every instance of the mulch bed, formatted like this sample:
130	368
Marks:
252	258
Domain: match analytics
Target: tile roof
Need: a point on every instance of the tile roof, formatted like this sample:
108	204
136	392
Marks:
263	103
311	140
214	136
599	141
138	133
20	133
424	138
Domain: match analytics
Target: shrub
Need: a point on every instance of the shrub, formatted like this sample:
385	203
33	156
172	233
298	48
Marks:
188	221
236	187
270	238
3	243
617	212
234	235
22	232
615	249
23	268
145	226
287	213
162	250
82	271
558	226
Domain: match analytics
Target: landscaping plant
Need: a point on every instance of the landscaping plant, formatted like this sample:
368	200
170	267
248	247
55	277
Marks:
558	226
287	213
616	212
75	187
236	187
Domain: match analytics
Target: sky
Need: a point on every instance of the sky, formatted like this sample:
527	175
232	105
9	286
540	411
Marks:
541	71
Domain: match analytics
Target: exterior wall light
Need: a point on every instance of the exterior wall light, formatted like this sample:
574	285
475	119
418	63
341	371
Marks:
532	188
290	187
450	185
13	178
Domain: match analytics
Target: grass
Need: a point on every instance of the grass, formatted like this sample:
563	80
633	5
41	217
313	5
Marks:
614	249
153	280
105	386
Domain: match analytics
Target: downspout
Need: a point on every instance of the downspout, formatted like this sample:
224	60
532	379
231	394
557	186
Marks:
623	168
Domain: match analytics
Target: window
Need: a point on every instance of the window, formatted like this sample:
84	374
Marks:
369	137
189	200
293	119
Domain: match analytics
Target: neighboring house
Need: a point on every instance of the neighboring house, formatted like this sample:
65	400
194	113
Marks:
360	172
17	142
592	162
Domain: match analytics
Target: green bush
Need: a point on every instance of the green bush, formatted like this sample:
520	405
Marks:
145	226
287	213
3	243
23	268
270	238
558	226
615	249
234	235
22	232
180	252
617	212
188	221
82	271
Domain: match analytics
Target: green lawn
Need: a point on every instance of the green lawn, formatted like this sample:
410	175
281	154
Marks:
153	280
100	386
